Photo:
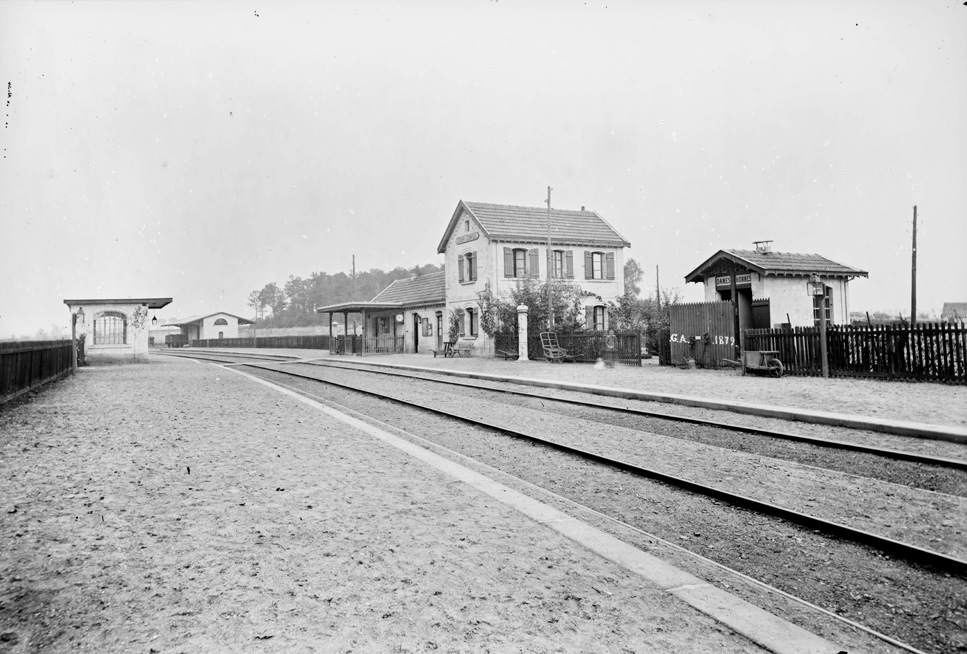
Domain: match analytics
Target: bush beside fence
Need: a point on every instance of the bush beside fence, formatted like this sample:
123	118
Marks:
927	351
26	365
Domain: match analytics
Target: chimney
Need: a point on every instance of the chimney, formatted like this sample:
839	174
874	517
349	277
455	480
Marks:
763	247
582	207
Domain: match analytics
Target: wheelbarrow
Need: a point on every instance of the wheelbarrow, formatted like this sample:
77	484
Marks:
764	362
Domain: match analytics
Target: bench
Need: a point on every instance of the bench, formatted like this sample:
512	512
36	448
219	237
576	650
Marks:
506	354
461	350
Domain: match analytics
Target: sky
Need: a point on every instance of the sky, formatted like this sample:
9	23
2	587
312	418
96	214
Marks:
199	150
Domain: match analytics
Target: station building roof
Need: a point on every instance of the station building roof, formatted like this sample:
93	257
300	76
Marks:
768	263
151	302
504	222
418	291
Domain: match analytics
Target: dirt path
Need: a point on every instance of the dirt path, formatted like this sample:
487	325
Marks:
175	507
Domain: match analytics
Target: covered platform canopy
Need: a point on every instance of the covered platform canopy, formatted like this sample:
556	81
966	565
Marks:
400	299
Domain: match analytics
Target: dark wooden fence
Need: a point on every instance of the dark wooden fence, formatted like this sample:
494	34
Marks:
283	342
26	365
587	347
928	351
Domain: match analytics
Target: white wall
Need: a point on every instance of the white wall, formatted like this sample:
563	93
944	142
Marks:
135	350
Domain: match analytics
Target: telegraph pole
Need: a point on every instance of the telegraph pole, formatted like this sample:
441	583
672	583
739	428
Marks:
550	311
657	289
913	285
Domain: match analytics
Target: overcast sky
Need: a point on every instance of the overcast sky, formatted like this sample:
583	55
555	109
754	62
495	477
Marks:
200	150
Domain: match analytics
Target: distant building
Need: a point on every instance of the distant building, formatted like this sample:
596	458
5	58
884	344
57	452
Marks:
115	330
771	286
954	312
210	326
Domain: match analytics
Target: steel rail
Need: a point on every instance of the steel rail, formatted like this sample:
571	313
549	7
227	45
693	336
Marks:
898	455
913	553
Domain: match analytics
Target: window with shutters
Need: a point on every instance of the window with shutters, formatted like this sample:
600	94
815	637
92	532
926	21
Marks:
515	262
596	318
472	319
562	264
111	328
599	265
467	267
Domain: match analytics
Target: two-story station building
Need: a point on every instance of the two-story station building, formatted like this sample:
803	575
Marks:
502	245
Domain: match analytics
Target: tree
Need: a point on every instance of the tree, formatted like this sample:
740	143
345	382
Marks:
633	275
499	314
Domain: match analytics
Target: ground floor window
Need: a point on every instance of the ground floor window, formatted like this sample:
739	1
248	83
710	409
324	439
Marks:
111	328
595	318
472	319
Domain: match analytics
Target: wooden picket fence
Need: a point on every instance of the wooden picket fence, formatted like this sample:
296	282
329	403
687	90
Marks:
586	346
27	365
319	342
925	352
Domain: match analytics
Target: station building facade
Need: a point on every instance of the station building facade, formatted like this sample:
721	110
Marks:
771	286
115	330
501	245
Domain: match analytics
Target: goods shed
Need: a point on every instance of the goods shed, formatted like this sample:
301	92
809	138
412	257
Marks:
210	326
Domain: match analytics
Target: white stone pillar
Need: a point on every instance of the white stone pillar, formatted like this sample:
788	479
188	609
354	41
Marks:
522	333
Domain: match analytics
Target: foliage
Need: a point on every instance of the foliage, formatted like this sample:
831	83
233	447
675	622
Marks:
644	315
498	314
633	275
294	304
453	324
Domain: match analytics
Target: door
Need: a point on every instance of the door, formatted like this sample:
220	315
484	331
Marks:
439	330
416	334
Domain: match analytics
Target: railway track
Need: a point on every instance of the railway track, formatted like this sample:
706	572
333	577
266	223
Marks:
891	454
935	566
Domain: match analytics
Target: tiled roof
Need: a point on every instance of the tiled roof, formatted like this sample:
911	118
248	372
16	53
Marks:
191	319
502	222
773	263
421	290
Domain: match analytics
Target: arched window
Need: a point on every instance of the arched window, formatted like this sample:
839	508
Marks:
110	328
221	321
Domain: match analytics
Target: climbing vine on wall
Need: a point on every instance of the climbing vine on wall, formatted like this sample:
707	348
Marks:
139	318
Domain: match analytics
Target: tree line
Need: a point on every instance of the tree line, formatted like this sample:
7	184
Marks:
293	304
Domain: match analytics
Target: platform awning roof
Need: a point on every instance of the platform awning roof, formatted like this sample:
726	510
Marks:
359	307
151	302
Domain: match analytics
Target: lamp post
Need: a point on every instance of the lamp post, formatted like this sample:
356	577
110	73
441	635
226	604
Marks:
79	315
817	289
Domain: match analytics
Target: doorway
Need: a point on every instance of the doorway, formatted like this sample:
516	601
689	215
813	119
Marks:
416	333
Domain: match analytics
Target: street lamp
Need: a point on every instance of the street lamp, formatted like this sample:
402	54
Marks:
817	289
75	318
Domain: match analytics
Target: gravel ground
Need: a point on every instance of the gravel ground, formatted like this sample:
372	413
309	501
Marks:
922	608
176	507
919	402
928	519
